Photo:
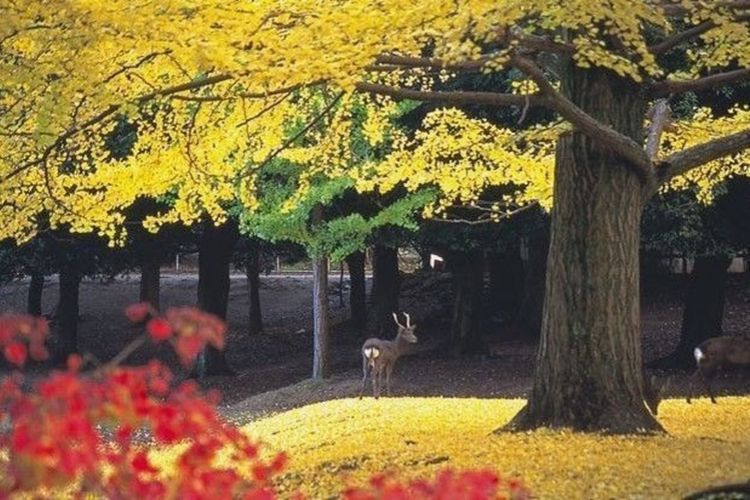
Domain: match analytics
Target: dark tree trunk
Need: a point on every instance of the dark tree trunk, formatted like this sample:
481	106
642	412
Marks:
214	257
34	299
150	282
252	270
357	289
704	310
589	369
425	260
468	281
506	273
385	288
321	341
67	313
528	322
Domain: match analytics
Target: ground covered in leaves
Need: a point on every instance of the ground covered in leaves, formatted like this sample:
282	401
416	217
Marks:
345	441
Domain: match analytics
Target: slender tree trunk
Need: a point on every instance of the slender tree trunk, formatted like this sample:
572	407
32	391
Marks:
252	269
214	257
528	322
321	341
150	281
704	310
34	299
468	280
357	289
385	290
68	312
589	369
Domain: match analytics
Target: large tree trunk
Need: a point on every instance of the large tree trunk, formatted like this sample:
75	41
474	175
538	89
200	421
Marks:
528	322
67	312
704	310
214	257
468	281
589	370
150	281
34	298
321	341
357	289
252	270
386	284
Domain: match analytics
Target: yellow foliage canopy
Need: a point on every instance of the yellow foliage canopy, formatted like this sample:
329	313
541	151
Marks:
212	87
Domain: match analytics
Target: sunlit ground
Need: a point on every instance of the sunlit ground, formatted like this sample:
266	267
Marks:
348	440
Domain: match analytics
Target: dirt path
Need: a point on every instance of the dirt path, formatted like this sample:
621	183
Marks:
273	367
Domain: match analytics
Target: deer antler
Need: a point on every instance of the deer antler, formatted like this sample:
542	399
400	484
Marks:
395	318
408	320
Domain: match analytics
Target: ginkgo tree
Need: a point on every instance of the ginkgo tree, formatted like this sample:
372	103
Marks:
219	77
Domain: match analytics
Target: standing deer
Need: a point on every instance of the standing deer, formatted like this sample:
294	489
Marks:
379	356
717	353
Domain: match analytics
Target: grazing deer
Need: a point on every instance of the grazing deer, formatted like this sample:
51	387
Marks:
653	392
379	356
717	353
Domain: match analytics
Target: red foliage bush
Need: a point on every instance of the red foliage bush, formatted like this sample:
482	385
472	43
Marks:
89	432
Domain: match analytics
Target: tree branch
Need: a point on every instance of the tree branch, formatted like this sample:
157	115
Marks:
676	39
660	115
687	159
621	144
677	9
457	97
667	87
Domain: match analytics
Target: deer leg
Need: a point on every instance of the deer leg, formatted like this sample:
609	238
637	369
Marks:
693	378
707	378
388	371
365	367
374	375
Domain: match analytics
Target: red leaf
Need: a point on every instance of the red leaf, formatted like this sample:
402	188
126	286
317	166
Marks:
159	329
137	313
74	362
140	463
15	352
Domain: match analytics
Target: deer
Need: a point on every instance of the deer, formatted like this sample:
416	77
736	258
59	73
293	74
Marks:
653	392
717	353
379	356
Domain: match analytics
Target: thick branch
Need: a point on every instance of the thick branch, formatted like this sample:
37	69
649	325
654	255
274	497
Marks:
431	63
676	39
621	144
677	9
457	97
660	115
687	159
667	87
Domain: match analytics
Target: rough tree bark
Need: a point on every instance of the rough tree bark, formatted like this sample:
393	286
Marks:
150	281
357	289
321	340
252	270
704	310
34	298
386	284
67	313
467	269
589	369
528	321
214	257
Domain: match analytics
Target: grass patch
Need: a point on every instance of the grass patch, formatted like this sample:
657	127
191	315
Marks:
348	440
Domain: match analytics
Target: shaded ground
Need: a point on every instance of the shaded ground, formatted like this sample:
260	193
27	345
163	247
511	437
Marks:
281	356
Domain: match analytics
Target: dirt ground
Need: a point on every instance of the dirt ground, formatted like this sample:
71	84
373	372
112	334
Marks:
272	368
